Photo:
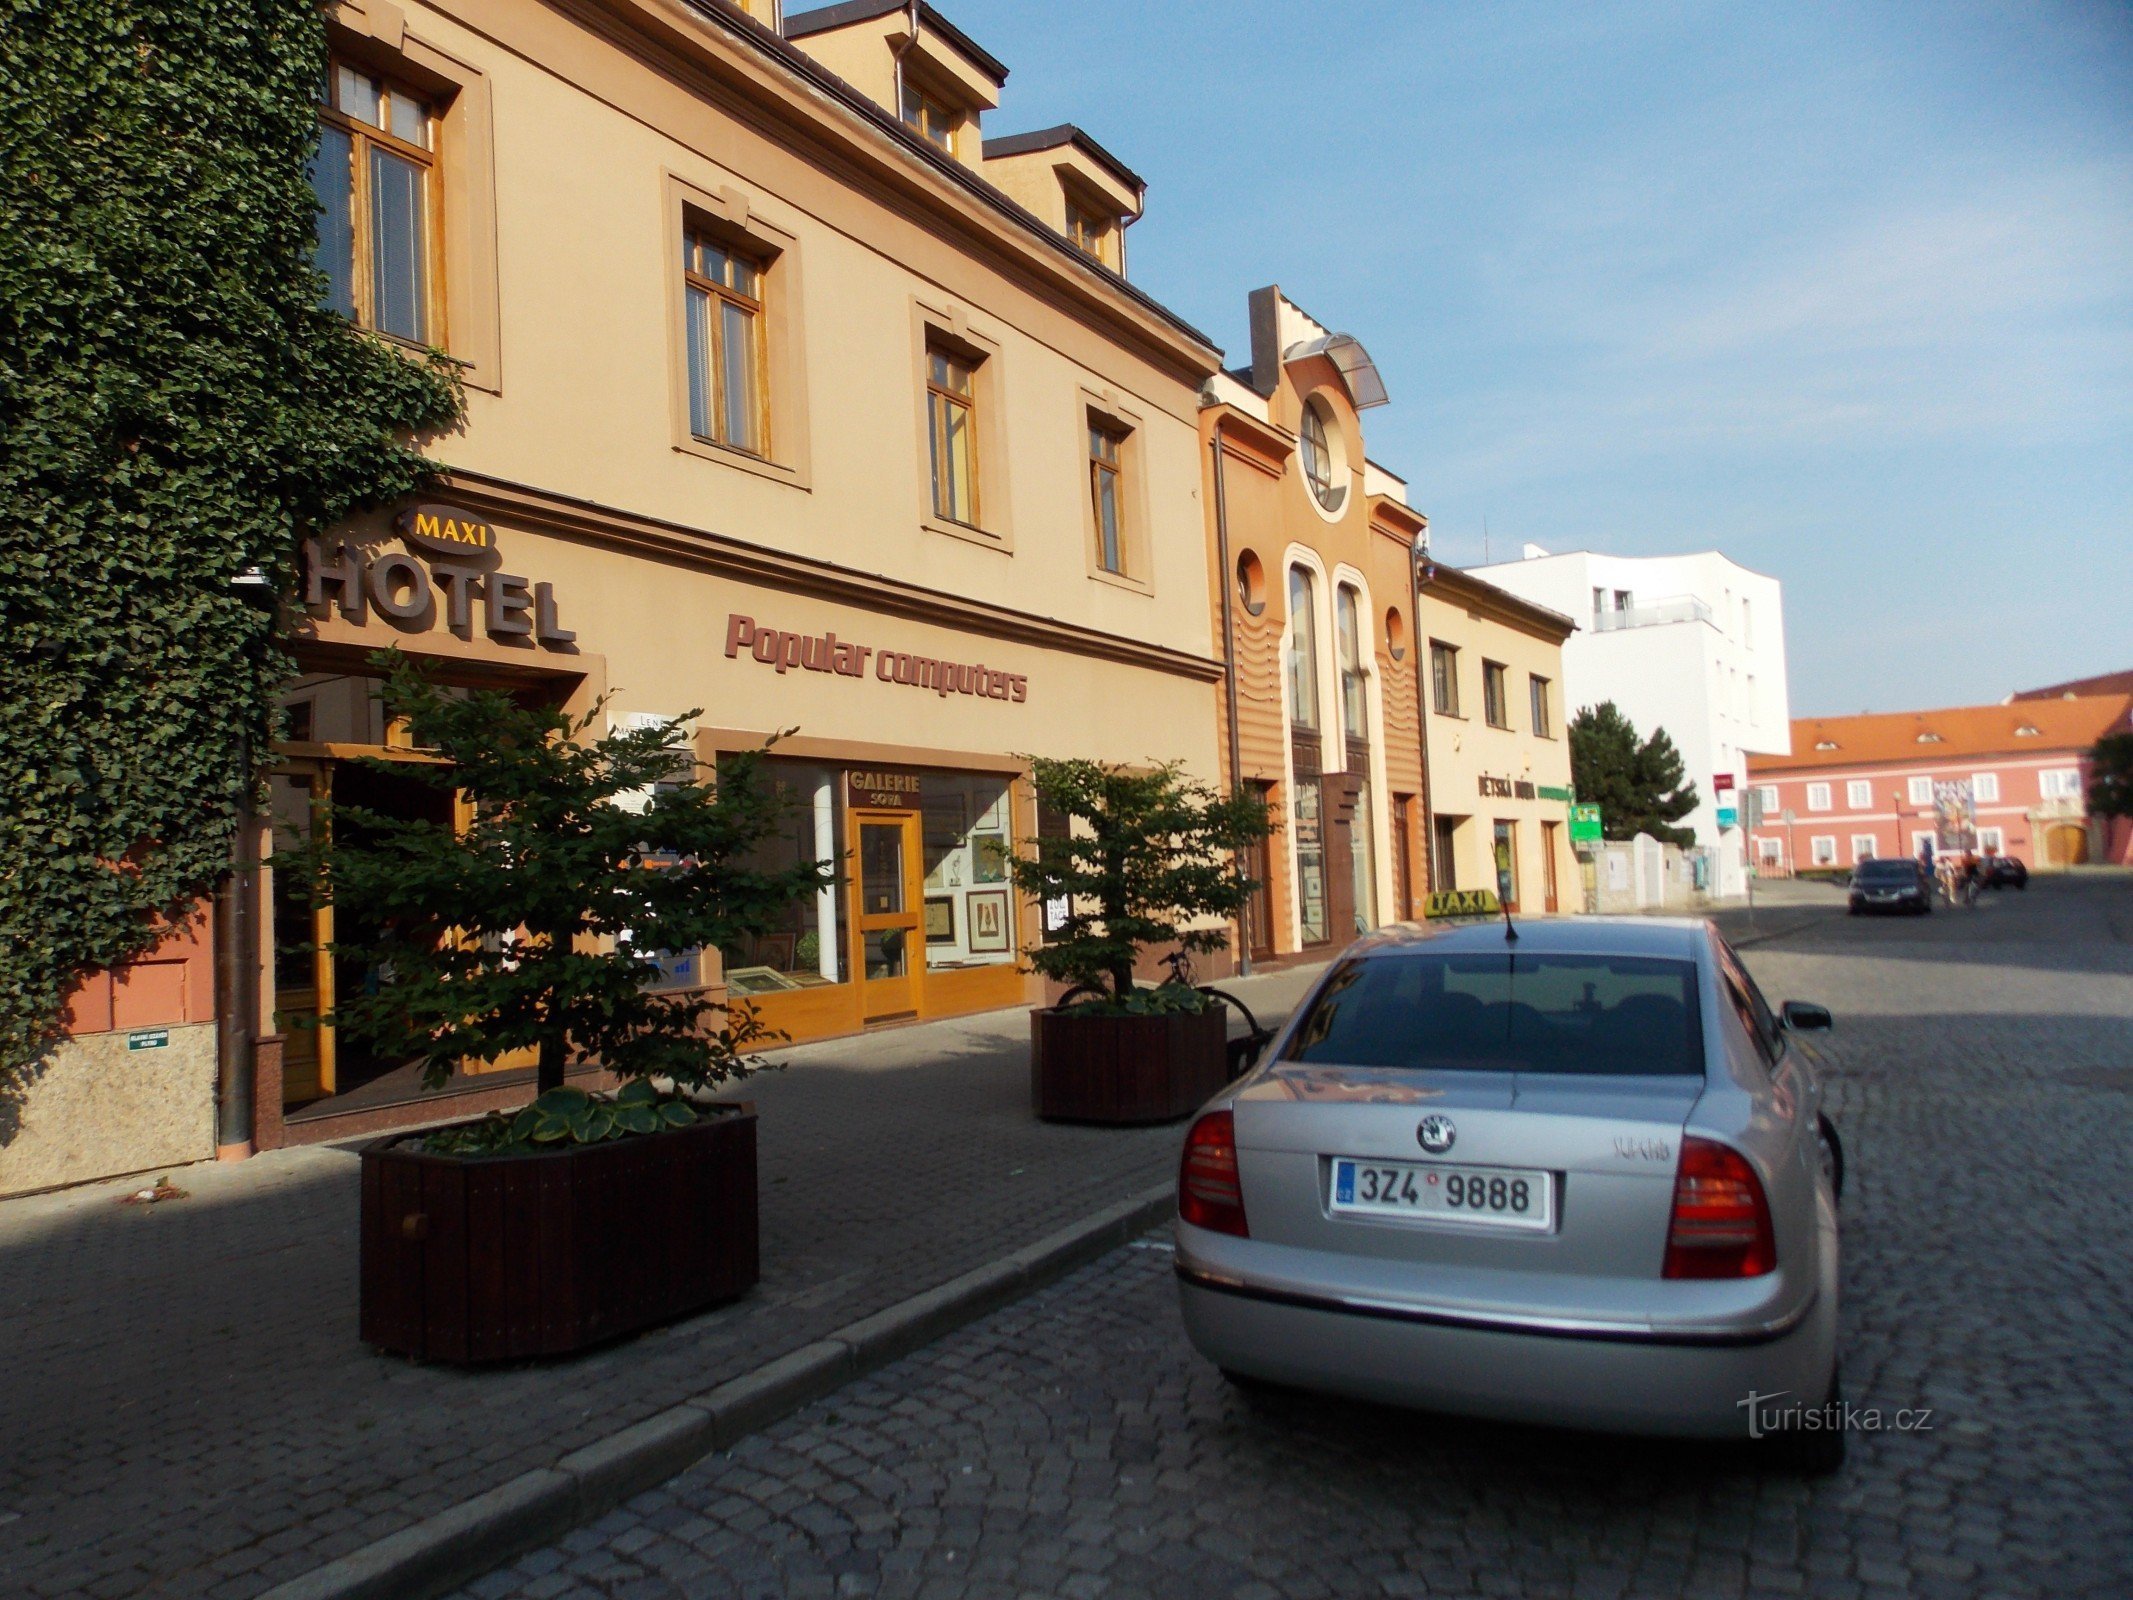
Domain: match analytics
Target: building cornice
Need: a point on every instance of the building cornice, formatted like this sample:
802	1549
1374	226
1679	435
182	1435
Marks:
836	123
586	522
1499	605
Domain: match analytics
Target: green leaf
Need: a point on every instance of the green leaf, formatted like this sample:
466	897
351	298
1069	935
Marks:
637	1092
550	1131
677	1115
563	1102
637	1118
599	1124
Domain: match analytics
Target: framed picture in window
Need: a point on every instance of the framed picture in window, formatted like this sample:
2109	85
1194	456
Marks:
989	923
940	919
988	858
776	950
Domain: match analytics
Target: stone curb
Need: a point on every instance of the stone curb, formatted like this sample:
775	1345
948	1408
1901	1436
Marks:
466	1540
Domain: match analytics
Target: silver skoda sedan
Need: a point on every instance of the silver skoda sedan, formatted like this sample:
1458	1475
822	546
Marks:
1580	1177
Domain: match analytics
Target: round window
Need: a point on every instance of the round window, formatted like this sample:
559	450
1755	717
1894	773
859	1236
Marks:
1251	583
1396	633
1323	469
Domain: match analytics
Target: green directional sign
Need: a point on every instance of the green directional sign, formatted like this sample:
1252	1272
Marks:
1584	825
1462	903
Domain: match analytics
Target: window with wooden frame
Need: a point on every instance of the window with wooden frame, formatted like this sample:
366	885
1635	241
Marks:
724	319
930	117
1090	231
1348	631
1543	721
1444	678
952	433
1107	496
1495	700
376	179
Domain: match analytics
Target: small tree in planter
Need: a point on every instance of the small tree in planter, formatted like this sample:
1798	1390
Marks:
1149	861
538	922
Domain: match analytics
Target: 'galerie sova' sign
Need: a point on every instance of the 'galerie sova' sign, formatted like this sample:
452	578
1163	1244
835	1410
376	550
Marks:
460	570
825	652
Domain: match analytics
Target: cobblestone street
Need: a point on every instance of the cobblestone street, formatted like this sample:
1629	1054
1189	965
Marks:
1073	1444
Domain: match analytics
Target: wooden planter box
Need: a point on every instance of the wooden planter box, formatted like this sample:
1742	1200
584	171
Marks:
500	1258
1126	1070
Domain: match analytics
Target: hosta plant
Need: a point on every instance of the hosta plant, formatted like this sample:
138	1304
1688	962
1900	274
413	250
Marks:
567	1116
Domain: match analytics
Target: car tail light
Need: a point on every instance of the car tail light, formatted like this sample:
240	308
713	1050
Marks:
1209	1194
1721	1226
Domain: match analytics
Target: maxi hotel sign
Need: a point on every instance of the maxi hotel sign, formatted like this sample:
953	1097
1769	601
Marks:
460	571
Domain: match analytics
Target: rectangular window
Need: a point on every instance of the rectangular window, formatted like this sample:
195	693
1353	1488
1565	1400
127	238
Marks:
952	435
1537	692
804	944
1444	678
1818	797
1985	788
1089	231
931	119
1355	716
1825	850
375	179
1993	841
1104	498
2060	785
724	292
1599	607
1444	854
1308	838
1859	794
1747	633
1862	847
1495	699
1770	800
1549	1013
1921	791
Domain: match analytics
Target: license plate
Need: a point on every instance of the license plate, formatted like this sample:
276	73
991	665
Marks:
1501	1197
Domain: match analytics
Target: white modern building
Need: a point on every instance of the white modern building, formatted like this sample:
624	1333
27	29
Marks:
1694	644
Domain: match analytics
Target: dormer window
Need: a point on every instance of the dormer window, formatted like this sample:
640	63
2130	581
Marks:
2026	732
1825	744
1929	738
932	119
1090	232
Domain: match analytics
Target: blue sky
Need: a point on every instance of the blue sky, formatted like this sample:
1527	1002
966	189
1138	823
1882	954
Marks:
1845	291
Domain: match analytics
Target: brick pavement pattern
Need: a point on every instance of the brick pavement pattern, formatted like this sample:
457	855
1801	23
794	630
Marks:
1074	1445
186	1412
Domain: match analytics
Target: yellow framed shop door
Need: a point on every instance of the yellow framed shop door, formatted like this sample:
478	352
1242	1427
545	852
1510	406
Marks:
888	953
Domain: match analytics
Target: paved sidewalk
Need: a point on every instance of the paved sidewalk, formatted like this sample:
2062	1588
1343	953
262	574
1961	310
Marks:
187	1411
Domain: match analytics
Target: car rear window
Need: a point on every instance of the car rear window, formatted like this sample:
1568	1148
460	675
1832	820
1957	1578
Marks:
1885	872
1633	1015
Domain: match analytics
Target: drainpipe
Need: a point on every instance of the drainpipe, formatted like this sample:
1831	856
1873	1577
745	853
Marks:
902	50
1229	678
236	943
1420	569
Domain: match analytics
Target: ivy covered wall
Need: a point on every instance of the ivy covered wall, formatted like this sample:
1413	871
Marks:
174	409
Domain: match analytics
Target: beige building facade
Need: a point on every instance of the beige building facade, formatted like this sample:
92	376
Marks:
1499	750
802	399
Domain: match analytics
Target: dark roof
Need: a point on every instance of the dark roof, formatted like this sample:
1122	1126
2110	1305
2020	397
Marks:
1015	144
2077	688
798	25
1458	581
797	61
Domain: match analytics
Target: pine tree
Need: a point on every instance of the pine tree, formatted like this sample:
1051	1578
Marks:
1637	784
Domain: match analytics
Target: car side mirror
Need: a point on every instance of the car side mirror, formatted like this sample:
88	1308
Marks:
1802	1017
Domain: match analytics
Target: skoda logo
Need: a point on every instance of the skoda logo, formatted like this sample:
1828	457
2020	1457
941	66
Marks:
1436	1134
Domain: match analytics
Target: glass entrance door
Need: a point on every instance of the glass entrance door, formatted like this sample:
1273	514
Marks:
889	957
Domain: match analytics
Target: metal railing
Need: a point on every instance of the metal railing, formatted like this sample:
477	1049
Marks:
1681	608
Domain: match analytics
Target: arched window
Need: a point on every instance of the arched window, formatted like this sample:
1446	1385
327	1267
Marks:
1303	651
1347	621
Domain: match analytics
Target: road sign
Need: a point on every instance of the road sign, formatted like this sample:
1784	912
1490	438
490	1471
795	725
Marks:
148	1039
1728	817
1722	782
1584	825
1790	819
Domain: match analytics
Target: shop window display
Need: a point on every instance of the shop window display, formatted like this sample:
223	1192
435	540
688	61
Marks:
966	826
806	949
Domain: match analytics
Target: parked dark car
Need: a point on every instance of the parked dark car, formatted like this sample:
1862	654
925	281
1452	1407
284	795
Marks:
2005	872
1891	884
